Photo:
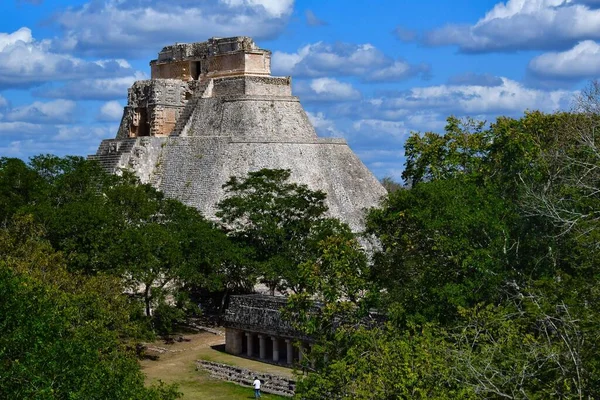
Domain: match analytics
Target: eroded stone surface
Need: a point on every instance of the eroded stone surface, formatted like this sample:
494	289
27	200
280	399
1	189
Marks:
259	313
271	383
212	111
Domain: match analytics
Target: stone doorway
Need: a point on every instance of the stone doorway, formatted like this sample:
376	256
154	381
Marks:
139	124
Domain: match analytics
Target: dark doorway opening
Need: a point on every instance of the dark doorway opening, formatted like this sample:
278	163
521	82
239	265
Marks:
144	127
196	69
139	125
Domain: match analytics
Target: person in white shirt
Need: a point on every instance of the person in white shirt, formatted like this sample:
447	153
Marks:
256	385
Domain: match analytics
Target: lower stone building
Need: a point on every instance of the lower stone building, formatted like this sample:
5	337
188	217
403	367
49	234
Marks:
254	327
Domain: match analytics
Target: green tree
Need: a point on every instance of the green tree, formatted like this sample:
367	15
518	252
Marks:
445	243
64	335
390	185
540	343
19	186
105	223
384	363
280	221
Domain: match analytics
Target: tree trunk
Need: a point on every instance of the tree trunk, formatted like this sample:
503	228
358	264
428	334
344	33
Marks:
223	301
147	299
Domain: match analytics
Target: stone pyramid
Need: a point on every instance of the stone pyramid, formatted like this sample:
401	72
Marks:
212	110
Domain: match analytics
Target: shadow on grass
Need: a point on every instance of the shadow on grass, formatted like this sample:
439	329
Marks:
220	348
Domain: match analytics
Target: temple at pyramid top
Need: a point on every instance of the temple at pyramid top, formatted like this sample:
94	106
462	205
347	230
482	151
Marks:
217	57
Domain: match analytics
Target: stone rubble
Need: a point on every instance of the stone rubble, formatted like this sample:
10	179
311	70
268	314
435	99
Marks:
271	383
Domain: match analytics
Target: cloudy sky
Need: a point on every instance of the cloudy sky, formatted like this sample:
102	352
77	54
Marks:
371	71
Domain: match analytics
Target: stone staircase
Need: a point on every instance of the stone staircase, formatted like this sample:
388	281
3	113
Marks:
111	151
157	174
184	117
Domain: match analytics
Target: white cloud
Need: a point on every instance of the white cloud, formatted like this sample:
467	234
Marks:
3	102
326	89
30	139
92	89
373	155
89	134
362	60
582	61
470	78
26	62
57	111
274	8
394	128
523	25
20	129
128	27
111	111
509	98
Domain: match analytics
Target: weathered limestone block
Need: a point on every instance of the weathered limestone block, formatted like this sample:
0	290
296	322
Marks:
259	313
271	383
234	341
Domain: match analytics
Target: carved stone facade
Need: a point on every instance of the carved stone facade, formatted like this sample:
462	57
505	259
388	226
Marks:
211	111
213	58
255	328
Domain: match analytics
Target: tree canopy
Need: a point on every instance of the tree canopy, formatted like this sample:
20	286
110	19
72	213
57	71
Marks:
485	267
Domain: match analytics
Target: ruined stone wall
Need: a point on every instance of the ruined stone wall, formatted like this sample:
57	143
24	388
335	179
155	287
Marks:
253	85
257	63
233	341
173	70
268	86
153	107
218	57
139	155
258	313
250	116
271	383
226	64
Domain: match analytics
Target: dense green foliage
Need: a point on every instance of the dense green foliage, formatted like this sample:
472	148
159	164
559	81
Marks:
485	269
64	335
481	279
86	256
105	223
282	223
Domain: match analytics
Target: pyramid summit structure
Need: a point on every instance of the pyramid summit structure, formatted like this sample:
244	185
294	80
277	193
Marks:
212	110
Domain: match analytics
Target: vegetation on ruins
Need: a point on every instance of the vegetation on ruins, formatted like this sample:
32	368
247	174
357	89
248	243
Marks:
482	280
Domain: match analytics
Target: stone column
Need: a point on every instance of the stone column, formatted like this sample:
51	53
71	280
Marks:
261	346
275	348
233	341
300	352
250	343
290	351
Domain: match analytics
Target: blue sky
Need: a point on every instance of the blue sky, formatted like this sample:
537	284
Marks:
369	71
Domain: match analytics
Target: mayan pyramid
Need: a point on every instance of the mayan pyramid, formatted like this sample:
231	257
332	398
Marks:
212	110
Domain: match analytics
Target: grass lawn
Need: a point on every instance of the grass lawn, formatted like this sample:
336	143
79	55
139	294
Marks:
178	365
